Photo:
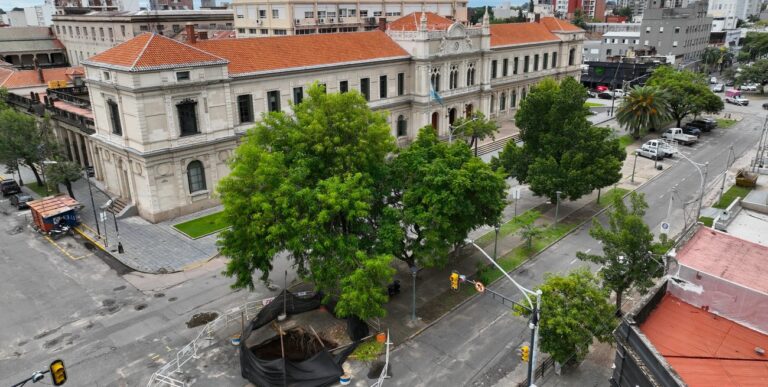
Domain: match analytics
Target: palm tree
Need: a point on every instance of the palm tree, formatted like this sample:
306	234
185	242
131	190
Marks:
711	57
644	108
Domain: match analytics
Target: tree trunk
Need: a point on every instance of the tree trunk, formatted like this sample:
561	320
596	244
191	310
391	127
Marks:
679	122
619	293
31	166
68	184
475	140
598	195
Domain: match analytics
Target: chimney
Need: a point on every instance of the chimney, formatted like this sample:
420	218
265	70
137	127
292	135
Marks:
203	35
383	23
191	38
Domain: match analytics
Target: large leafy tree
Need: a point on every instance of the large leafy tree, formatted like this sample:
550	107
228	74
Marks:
629	249
477	128
644	108
562	150
440	192
25	140
754	45
687	92
306	184
64	172
756	72
574	311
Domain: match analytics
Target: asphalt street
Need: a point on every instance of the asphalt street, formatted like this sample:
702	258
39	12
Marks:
476	343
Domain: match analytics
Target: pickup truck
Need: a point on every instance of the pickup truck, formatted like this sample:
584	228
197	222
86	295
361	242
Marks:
648	152
661	148
737	100
676	134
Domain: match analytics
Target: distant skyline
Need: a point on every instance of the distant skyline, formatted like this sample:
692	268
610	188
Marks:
491	3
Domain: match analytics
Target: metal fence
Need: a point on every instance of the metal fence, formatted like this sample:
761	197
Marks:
383	375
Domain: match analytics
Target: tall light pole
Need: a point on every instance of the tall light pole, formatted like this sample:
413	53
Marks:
703	176
535	312
496	239
88	174
725	172
634	164
414	271
557	205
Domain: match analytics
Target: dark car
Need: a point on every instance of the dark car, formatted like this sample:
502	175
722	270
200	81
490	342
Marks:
10	187
605	95
704	125
692	130
20	201
765	106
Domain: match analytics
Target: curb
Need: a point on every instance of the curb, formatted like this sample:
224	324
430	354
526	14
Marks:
102	248
531	259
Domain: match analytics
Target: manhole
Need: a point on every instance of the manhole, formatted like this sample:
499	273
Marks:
140	306
201	319
159	295
119	288
108	302
172	299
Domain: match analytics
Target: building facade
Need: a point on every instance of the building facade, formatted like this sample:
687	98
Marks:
613	44
728	12
680	33
82	6
85	35
289	17
26	47
171	5
169	115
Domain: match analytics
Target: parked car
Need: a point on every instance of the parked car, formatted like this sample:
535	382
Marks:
618	93
748	87
765	106
662	148
692	130
729	83
737	100
10	187
713	80
648	152
676	134
718	88
20	201
601	88
705	124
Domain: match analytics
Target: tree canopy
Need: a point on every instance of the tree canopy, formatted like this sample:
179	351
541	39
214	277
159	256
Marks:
757	72
628	248
644	108
327	186
25	140
562	150
476	128
755	45
687	92
64	172
574	311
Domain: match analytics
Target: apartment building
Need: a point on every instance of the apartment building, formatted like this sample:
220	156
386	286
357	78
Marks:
85	35
81	6
679	33
168	115
728	12
171	5
613	44
291	17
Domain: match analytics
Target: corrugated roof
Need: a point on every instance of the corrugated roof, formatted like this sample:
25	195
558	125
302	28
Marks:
412	21
254	55
53	205
153	52
705	349
722	255
520	33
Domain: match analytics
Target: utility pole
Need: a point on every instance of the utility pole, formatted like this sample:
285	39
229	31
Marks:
634	164
725	172
701	195
557	206
88	174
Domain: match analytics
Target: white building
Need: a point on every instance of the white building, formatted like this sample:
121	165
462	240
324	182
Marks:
295	17
17	17
64	6
726	13
40	15
168	115
89	34
503	11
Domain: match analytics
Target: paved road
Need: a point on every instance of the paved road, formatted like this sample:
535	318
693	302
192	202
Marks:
475	344
83	311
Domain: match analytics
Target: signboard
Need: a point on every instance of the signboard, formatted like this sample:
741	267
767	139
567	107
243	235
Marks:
89	171
664	228
103	216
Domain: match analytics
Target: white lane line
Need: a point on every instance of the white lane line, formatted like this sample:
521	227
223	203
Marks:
587	251
574	261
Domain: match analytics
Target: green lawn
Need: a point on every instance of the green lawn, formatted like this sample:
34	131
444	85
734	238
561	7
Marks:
521	253
724	122
205	225
39	189
626	140
706	220
730	195
592	104
607	197
508	228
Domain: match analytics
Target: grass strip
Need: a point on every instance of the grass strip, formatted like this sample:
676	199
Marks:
731	195
725	122
626	140
607	198
592	104
205	225
508	228
39	189
706	220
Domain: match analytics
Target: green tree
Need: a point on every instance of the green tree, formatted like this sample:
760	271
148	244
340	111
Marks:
64	172
711	57
25	140
644	108
440	192
529	230
308	184
578	19
561	150
477	128
754	45
687	93
628	248
755	73
623	11
574	312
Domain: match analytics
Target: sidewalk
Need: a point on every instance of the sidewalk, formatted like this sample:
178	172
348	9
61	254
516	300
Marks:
151	248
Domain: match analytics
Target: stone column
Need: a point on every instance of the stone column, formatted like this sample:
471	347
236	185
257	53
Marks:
79	145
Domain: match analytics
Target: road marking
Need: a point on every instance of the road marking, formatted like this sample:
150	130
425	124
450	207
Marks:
587	251
574	261
52	242
167	348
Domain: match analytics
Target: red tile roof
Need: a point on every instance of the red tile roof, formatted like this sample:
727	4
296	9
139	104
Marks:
705	349
555	24
255	55
411	22
153	52
15	79
724	256
520	33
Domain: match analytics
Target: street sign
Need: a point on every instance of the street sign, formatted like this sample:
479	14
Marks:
89	171
664	228
103	216
516	194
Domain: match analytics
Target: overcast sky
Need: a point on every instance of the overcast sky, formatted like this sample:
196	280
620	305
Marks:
10	4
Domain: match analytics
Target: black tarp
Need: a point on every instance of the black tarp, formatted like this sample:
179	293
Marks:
322	369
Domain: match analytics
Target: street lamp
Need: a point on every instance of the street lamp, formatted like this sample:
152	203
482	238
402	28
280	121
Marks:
496	239
557	205
110	205
88	174
414	271
703	177
534	307
634	164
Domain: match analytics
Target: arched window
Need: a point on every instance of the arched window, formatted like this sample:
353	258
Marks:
502	102
402	126
451	116
435	79
196	176
471	74
454	79
436	121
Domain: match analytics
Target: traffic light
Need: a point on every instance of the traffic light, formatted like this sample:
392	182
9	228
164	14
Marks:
525	353
454	281
58	373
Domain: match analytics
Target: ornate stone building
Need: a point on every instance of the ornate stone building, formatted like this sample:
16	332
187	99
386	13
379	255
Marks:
168	115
